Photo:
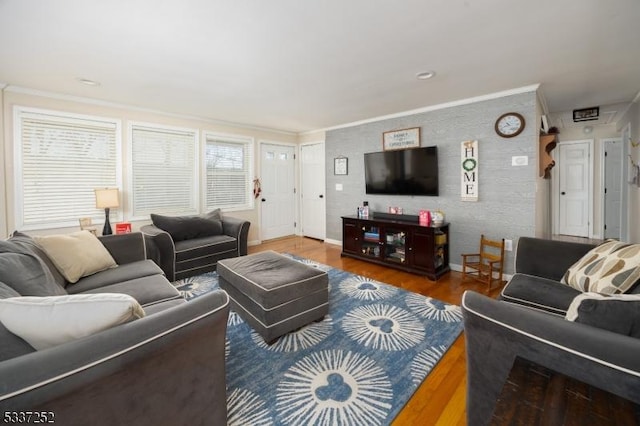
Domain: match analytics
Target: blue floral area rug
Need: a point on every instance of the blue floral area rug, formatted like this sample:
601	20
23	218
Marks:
359	366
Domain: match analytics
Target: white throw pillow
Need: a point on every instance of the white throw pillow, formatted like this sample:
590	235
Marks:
44	322
76	255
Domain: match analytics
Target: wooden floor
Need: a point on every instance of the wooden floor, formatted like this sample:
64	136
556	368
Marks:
440	400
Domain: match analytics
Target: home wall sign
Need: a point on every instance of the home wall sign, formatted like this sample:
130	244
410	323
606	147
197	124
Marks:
401	139
469	171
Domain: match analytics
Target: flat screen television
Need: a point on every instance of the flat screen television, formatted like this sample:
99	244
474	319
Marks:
402	172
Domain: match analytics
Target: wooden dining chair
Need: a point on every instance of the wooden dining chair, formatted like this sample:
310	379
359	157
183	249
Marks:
483	266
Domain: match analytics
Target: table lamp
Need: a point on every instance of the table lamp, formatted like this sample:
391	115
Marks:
105	199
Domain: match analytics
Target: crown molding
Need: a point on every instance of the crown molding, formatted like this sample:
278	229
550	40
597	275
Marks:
98	102
467	101
543	101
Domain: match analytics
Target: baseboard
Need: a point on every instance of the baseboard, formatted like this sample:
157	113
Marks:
334	242
254	243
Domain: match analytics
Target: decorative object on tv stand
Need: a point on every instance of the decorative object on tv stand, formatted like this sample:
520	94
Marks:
363	212
341	166
107	198
437	217
401	139
424	218
469	171
396	210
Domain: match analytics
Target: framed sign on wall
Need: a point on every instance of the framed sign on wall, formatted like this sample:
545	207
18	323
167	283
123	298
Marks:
341	166
401	139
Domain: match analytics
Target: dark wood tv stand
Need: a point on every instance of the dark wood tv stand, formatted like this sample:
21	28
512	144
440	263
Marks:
398	243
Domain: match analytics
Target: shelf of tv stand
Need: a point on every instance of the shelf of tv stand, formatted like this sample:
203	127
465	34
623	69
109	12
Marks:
397	243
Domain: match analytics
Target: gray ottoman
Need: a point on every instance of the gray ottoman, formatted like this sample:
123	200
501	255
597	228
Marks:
274	293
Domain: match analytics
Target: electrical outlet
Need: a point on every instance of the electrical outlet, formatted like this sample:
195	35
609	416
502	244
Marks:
508	245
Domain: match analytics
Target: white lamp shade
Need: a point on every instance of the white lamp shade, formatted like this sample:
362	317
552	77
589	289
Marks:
107	198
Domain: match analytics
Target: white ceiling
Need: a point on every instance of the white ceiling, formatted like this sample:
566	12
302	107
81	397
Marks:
300	65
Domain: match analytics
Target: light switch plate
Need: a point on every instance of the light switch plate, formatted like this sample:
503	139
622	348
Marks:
338	187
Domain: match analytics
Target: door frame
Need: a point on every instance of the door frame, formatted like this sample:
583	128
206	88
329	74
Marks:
296	181
623	192
324	216
555	187
625	231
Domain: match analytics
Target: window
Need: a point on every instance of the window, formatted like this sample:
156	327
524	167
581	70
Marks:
164	175
229	172
60	159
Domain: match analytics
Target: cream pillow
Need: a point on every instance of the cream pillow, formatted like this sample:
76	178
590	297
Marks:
44	322
610	268
76	255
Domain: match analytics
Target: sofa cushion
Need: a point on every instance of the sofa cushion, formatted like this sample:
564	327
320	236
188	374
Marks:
120	273
25	241
76	255
161	306
539	293
200	247
50	321
609	268
6	291
619	313
146	290
12	346
187	227
24	272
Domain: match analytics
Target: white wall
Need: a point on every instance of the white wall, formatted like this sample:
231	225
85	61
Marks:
632	118
26	98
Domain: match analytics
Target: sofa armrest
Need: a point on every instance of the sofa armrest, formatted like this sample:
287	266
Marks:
239	229
166	368
497	332
547	258
125	248
160	249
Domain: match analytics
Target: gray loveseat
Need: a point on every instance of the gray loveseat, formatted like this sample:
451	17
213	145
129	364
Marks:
185	246
165	368
528	322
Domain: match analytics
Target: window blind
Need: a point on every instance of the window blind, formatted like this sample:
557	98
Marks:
229	173
60	160
164	171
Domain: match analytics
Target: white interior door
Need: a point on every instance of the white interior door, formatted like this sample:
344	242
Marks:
313	190
613	178
278	191
574	174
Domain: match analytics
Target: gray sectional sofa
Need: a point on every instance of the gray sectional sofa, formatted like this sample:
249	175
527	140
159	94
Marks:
185	246
528	321
167	367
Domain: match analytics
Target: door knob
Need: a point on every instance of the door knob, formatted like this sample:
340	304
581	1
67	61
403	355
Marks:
321	196
263	200
563	193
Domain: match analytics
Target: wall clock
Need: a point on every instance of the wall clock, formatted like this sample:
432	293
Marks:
509	125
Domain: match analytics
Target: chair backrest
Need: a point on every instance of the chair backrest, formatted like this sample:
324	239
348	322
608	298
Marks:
491	249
